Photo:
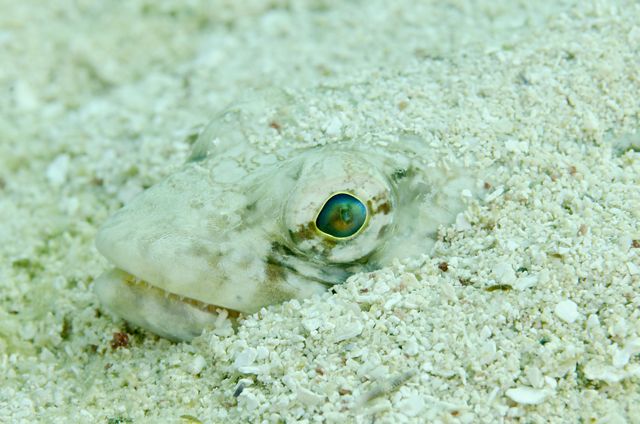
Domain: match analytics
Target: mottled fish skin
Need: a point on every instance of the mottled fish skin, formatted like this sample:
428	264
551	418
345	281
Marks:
235	228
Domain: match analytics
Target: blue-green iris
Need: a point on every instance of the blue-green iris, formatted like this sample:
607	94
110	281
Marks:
342	216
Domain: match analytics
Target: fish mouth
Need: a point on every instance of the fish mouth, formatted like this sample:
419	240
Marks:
131	279
167	314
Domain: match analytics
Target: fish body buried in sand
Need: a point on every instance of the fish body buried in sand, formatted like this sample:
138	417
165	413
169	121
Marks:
239	227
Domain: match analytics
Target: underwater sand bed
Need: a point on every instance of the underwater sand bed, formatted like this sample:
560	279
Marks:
527	308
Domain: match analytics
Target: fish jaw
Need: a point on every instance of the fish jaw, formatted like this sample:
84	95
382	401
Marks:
169	316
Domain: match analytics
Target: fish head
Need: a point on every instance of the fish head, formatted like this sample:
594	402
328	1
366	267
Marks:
237	229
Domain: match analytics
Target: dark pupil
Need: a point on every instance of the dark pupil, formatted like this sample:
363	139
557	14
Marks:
345	214
341	216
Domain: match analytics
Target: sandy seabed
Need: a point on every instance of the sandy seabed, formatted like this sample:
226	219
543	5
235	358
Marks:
535	316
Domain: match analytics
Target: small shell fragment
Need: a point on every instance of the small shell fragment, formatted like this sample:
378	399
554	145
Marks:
307	397
504	273
245	358
348	331
527	395
567	310
197	365
58	169
523	283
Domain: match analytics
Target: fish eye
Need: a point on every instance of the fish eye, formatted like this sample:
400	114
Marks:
342	216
